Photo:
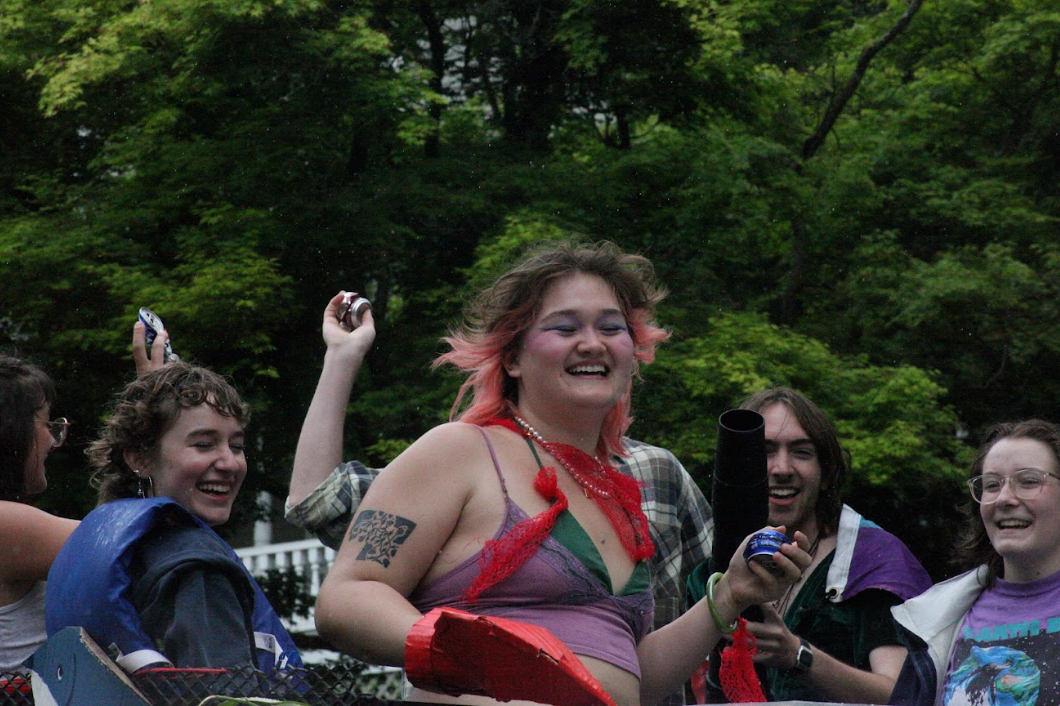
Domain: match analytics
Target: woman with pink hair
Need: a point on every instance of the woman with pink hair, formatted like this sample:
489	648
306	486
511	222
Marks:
514	510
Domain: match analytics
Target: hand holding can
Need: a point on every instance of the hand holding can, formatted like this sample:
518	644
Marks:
152	327
352	308
762	545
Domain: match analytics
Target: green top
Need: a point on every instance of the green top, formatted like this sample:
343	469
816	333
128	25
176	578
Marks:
848	630
569	532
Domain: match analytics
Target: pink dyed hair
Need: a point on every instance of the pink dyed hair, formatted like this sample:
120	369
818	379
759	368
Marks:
497	319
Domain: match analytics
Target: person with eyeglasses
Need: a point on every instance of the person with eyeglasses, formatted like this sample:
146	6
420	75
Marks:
992	634
31	537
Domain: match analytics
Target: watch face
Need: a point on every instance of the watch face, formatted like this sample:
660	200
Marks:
804	658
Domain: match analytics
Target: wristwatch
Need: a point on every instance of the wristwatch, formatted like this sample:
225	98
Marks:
803	658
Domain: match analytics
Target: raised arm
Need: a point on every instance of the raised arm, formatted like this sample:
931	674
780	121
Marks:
402	530
319	447
31	539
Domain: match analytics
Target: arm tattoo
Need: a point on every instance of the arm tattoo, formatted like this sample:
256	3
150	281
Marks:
382	534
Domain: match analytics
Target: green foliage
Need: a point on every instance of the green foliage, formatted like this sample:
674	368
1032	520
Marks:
494	256
974	314
288	591
898	408
384	451
234	163
891	419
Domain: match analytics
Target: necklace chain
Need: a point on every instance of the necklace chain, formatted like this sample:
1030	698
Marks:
783	604
578	475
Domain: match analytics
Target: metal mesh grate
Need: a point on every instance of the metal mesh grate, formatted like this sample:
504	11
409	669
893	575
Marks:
317	685
14	689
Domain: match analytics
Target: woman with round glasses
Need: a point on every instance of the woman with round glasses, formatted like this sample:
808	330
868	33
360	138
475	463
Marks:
992	635
31	538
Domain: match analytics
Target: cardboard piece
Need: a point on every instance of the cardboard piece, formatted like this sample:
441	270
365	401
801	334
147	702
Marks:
456	652
70	668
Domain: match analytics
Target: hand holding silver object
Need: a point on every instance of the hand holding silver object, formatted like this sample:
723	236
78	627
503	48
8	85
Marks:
352	308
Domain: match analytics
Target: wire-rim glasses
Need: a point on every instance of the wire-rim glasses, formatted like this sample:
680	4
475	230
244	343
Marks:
1026	483
59	428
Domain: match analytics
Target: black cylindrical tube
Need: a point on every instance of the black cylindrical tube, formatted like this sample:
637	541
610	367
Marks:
740	496
740	500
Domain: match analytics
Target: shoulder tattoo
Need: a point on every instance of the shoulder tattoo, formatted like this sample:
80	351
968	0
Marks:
382	534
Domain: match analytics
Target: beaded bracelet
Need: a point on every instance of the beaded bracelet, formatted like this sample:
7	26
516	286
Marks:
722	627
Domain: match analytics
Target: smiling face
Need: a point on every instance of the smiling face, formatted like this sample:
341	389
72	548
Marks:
36	480
1025	532
200	463
577	353
794	472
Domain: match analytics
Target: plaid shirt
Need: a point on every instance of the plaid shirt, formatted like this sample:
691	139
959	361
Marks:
681	521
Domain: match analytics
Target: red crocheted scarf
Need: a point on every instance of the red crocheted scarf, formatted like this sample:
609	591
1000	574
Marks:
621	505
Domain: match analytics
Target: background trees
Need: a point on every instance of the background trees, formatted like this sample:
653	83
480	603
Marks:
233	163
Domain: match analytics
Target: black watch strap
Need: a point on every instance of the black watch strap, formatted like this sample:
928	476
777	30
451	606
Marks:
803	658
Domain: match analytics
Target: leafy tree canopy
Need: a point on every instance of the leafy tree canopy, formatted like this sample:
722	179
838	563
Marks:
854	197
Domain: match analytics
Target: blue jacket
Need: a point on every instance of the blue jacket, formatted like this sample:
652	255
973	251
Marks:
90	583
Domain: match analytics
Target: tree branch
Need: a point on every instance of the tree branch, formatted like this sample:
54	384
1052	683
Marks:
840	99
436	45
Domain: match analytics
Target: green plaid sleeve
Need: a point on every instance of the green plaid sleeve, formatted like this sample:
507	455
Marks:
328	510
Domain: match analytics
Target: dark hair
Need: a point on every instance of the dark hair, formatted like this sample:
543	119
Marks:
499	317
973	545
145	410
24	390
833	458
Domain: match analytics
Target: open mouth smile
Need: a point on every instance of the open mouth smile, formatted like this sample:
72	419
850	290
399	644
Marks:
214	488
596	370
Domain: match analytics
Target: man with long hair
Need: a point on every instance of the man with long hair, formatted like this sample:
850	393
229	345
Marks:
831	637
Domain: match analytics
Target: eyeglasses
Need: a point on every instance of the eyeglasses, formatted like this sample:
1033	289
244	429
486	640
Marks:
1026	483
58	428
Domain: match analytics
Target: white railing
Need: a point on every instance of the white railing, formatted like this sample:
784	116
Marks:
307	556
311	557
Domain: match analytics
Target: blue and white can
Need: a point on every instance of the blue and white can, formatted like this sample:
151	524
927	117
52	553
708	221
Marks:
152	327
762	545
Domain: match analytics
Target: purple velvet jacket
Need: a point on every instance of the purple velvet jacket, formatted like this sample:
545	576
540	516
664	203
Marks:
868	556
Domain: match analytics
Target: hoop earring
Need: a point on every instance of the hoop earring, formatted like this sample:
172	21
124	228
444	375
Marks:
140	485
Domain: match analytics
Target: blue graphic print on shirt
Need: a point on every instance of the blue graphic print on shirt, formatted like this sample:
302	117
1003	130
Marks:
994	676
1008	652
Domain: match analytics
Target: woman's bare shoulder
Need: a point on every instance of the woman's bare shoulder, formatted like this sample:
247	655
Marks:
19	517
458	432
446	453
458	441
32	535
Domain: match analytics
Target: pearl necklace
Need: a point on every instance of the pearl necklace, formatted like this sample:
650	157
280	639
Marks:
582	478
